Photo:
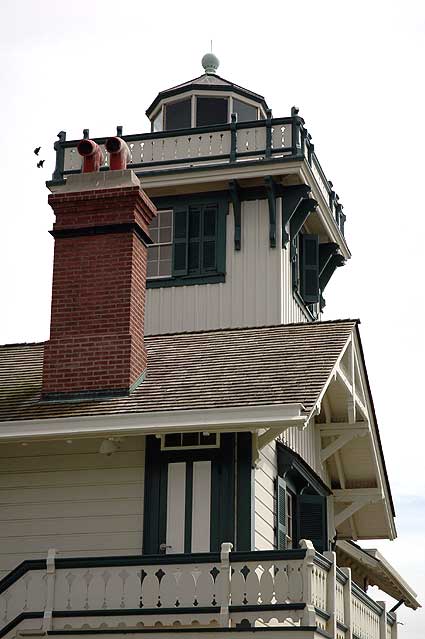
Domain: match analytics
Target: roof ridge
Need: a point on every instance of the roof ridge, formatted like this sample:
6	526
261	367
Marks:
227	329
23	344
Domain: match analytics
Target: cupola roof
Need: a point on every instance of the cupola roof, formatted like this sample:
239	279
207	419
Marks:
208	81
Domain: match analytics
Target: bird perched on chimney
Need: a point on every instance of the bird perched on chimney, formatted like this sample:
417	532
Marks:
37	150
40	164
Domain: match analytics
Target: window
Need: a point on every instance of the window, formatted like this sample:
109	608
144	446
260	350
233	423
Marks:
211	111
160	252
178	115
157	123
245	112
176	441
189	242
301	503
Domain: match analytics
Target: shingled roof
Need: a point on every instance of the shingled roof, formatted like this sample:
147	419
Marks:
211	369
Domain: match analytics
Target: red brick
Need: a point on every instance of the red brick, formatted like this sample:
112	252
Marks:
98	297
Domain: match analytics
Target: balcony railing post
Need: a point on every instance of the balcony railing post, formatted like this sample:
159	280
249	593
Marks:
60	156
331	593
268	133
347	604
309	614
226	572
383	620
50	589
394	627
233	134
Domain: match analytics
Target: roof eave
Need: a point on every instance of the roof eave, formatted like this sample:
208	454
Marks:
193	86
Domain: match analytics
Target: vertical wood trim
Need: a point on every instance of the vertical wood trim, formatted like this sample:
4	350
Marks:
200	507
176	501
244	488
227	489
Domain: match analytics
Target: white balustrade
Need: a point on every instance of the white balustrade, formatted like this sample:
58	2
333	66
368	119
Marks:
339	602
251	140
258	587
27	594
281	136
365	621
319	587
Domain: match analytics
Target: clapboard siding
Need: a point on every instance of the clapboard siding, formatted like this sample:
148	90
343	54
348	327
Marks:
306	443
257	290
265	474
69	497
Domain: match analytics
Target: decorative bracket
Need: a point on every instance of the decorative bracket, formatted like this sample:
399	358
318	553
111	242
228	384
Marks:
292	198
355	498
343	437
236	202
271	196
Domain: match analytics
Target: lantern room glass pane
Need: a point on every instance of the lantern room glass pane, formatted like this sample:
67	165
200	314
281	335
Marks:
178	115
211	111
245	112
157	123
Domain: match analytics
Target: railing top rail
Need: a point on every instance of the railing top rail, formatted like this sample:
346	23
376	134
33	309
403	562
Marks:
215	128
356	591
20	570
322	561
341	577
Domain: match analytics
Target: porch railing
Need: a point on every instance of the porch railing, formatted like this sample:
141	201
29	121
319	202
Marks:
224	589
284	139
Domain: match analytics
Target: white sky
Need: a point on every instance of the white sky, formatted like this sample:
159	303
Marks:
355	69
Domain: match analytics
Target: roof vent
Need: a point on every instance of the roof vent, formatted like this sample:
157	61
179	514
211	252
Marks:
210	62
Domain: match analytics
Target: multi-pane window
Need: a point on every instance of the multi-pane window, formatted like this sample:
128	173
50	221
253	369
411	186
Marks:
175	441
161	251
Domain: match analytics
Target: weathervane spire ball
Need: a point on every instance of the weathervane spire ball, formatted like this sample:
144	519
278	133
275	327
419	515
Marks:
210	62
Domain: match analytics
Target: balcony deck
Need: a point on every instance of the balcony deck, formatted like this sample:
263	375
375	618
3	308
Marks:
259	144
297	591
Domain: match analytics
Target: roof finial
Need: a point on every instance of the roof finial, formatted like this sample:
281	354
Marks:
210	62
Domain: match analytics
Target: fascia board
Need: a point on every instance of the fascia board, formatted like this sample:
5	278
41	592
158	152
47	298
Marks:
377	449
218	173
279	416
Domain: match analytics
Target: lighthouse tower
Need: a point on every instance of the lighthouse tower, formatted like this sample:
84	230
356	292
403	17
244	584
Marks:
249	229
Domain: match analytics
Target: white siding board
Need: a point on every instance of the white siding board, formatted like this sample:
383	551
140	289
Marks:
70	497
257	290
264	501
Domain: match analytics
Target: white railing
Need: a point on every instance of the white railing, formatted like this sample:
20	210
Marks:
207	590
216	145
366	621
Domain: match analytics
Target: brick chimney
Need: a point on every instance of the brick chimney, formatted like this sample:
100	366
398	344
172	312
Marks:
99	282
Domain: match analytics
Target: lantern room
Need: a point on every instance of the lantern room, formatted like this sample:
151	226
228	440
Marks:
205	101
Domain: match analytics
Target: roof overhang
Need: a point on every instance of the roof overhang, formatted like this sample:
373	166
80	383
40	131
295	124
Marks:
268	418
370	566
351	450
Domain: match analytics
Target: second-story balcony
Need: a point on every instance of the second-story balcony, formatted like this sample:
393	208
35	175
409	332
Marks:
262	145
298	590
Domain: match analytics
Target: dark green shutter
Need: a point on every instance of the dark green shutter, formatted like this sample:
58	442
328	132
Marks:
281	513
194	251
209	239
311	520
180	246
310	268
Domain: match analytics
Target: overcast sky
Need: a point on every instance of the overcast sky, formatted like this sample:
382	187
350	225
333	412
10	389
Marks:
355	70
